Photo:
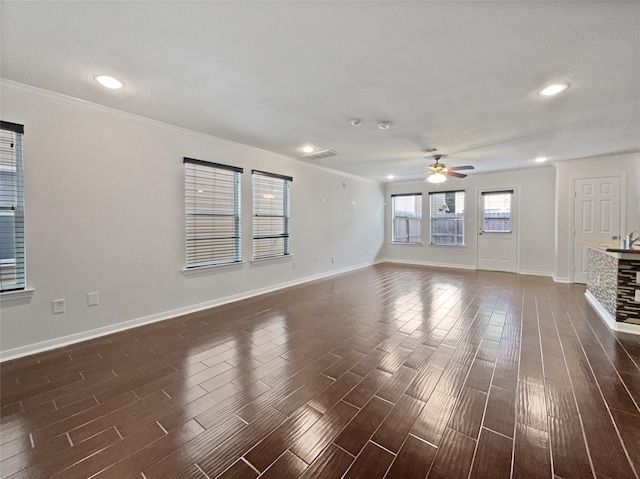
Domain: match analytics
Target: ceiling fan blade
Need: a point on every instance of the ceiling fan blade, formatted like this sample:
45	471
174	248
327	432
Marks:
467	167
453	173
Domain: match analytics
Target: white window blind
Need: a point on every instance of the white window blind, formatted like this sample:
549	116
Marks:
407	218
213	220
271	215
447	218
12	250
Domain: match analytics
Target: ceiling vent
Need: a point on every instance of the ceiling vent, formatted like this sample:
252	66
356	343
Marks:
316	155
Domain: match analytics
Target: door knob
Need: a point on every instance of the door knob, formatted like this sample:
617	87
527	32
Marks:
614	237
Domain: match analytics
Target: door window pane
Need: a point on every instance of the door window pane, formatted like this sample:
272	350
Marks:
496	212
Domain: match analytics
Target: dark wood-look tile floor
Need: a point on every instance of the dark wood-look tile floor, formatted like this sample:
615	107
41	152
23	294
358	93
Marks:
390	371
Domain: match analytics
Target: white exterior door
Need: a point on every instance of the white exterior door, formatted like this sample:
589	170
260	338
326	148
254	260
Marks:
497	237
596	216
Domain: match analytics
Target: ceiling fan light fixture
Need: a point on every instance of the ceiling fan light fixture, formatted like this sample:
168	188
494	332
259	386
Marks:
436	178
553	89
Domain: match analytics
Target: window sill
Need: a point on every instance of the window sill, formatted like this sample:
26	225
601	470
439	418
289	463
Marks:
406	244
212	267
450	245
26	293
272	259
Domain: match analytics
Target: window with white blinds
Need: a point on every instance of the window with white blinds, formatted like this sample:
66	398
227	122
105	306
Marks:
271	210
407	218
12	261
447	218
212	204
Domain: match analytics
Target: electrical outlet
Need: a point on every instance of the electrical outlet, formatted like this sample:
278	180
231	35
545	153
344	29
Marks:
57	306
92	299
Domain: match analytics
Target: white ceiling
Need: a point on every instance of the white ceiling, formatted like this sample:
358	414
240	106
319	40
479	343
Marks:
458	76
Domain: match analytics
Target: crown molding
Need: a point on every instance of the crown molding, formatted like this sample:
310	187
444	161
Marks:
83	105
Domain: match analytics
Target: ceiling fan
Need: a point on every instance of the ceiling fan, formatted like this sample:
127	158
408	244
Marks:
439	171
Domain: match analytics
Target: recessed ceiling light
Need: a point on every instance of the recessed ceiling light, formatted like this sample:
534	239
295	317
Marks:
390	177
553	89
540	159
356	122
384	125
308	149
109	82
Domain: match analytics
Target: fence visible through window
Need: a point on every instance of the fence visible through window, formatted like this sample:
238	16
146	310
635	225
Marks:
496	211
447	218
407	218
447	229
406	229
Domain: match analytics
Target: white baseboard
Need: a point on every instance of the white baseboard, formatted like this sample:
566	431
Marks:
430	263
153	318
559	279
460	266
608	318
535	273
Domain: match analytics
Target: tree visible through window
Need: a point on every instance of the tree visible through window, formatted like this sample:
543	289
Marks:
447	218
407	218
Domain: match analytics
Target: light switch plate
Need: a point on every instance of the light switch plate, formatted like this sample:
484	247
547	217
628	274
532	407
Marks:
637	298
57	306
92	299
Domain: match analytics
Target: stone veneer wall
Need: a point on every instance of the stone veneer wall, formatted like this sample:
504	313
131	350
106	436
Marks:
602	278
628	309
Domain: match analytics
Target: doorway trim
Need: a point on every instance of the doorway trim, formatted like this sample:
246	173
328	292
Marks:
478	222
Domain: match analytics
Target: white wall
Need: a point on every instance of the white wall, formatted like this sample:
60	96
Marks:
104	195
627	165
536	199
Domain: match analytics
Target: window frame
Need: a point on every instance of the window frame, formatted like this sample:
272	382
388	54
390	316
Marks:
236	256
285	235
394	217
15	209
432	194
